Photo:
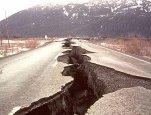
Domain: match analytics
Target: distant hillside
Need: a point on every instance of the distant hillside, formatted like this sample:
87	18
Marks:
105	18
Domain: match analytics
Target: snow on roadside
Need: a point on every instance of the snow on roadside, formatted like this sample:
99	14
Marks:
17	46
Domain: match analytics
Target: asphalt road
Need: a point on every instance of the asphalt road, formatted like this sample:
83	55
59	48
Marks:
126	101
117	60
29	76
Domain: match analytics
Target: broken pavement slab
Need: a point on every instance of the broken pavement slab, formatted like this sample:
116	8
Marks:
126	101
90	82
117	60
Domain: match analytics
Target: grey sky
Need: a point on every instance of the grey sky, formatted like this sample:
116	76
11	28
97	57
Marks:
13	6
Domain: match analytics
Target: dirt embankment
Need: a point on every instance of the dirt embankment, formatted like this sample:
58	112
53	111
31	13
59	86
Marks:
90	82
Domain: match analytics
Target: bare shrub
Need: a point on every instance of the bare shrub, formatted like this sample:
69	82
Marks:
138	46
31	44
21	45
134	45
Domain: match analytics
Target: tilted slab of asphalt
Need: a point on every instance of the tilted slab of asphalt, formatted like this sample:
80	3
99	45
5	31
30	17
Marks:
126	101
117	60
30	76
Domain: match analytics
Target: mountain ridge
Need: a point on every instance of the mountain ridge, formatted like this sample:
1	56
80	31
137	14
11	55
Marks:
110	19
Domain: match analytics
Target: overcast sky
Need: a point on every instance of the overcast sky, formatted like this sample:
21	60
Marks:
13	6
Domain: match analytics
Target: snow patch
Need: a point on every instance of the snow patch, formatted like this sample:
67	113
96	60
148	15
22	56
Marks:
72	6
42	8
139	2
33	23
85	14
65	12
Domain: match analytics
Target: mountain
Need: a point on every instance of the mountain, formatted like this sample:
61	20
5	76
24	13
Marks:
108	18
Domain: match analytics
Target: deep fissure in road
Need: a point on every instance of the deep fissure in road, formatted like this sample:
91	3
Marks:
90	82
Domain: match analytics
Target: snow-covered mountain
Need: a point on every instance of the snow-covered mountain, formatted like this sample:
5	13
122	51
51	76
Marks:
96	18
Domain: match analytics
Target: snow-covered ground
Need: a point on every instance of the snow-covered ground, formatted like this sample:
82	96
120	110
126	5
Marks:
17	46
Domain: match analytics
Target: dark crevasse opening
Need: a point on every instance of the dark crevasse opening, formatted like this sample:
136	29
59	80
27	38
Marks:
90	82
77	96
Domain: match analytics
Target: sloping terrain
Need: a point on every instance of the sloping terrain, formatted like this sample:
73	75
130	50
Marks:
104	18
